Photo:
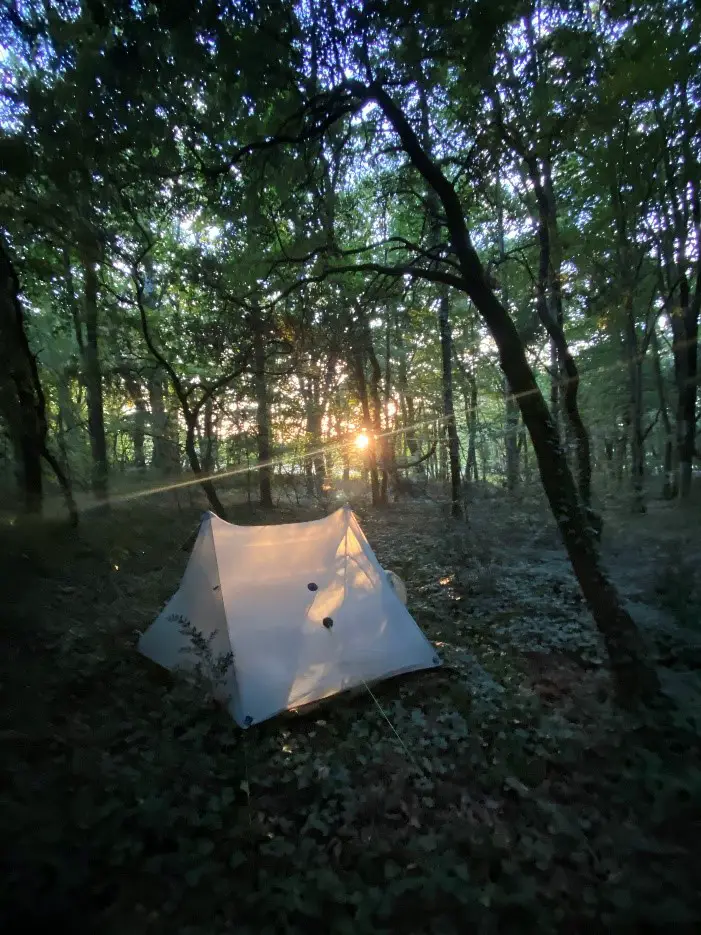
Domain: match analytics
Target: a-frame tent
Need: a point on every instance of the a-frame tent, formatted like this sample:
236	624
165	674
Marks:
305	608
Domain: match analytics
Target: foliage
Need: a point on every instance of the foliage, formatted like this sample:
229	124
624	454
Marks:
172	181
518	795
210	670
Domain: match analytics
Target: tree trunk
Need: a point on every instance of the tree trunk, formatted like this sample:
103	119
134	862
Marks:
92	376
406	398
161	456
449	425
511	439
471	470
345	456
361	384
65	422
138	434
635	677
22	399
192	456
685	330
551	315
190	412
510	404
635	408
314	465
209	438
376	416
260	382
669	484
637	447
622	449
523	439
376	421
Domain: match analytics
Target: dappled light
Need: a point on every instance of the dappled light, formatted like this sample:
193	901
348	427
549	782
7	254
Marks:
350	474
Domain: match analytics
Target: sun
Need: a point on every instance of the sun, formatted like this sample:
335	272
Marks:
362	441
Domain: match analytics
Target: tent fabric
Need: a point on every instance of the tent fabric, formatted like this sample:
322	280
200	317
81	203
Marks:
305	608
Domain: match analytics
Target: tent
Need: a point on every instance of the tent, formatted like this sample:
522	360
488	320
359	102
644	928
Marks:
295	613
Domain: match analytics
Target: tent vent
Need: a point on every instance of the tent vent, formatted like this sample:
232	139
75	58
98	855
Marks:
313	586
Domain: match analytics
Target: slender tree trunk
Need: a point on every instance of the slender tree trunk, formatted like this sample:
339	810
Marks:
471	471
635	409
65	421
406	399
93	381
637	452
345	455
450	427
309	441
190	412
361	384
622	449
510	404
526	460
444	330
376	417
686	334
138	435
379	448
551	315
314	465
209	438
260	381
388	439
192	456
308	468
471	400
669	484
161	457
636	678
511	439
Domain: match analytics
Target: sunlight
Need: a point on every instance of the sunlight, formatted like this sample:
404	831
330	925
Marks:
362	441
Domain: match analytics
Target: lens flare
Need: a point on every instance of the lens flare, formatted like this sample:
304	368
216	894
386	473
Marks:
362	441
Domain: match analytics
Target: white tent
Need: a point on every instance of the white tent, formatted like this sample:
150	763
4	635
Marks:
305	609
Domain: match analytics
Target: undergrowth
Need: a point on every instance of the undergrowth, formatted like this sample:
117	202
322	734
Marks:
518	798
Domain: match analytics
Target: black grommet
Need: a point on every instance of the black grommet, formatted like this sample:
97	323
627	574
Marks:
248	720
313	586
328	622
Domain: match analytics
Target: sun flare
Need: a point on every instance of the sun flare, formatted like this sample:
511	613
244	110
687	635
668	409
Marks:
362	441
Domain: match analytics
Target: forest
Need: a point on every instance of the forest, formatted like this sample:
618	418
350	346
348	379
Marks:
440	261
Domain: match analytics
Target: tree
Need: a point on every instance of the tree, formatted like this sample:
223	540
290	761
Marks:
22	401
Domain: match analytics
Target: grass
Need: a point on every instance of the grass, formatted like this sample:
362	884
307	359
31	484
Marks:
519	798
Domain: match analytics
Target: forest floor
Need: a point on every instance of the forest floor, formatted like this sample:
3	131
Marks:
517	799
